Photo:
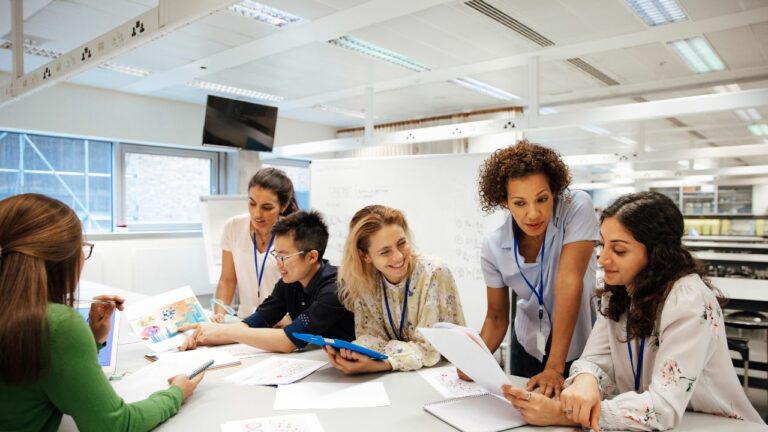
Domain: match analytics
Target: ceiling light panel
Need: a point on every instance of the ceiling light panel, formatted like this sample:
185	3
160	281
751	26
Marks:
697	54
264	13
658	12
758	129
237	91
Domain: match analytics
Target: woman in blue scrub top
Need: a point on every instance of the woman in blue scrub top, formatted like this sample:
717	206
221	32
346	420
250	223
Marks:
544	251
246	263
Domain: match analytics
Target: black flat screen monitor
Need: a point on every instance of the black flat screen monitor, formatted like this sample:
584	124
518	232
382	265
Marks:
234	123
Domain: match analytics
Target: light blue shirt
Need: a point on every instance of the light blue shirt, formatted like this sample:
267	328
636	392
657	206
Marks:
573	220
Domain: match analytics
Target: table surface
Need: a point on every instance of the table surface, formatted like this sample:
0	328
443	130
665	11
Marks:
216	401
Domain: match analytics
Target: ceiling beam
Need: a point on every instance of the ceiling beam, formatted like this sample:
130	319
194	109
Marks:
510	125
321	30
658	34
168	16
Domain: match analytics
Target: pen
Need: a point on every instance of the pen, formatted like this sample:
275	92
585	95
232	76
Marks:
106	302
202	368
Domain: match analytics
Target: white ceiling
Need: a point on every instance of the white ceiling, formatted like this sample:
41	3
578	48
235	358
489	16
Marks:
447	35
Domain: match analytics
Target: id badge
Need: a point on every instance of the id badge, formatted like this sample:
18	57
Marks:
541	341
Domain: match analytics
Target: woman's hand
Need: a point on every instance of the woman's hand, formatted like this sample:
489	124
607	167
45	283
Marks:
186	385
351	362
549	381
581	401
536	408
218	318
100	315
205	334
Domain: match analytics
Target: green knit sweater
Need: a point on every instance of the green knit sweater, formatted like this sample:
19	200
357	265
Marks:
77	386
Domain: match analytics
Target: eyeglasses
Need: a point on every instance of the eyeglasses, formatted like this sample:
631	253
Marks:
87	249
282	258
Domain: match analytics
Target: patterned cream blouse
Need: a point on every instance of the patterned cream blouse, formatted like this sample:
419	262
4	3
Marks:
686	365
432	297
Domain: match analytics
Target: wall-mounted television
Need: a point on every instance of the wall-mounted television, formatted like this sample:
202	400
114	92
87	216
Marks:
234	123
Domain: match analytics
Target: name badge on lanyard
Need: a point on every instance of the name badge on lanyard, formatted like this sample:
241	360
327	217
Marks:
397	332
636	373
260	274
541	338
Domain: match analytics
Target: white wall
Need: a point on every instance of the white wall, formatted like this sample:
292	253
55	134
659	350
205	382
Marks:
602	198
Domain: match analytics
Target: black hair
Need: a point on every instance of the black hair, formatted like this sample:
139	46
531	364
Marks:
308	228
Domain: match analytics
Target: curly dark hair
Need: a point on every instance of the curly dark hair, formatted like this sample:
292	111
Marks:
654	220
516	161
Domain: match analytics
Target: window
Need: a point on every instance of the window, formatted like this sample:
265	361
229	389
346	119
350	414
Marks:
298	172
161	187
75	171
144	187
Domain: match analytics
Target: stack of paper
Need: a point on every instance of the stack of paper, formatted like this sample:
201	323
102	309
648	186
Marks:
286	423
275	371
220	358
330	396
241	351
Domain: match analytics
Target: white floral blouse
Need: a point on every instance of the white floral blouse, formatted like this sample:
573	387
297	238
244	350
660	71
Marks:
432	297
686	365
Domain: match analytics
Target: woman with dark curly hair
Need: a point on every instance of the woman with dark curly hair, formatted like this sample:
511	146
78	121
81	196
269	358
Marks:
545	253
660	346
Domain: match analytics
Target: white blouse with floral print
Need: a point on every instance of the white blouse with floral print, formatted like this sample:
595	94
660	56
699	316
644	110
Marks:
432	297
686	365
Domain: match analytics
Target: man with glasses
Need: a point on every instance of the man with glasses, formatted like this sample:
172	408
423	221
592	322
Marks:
306	292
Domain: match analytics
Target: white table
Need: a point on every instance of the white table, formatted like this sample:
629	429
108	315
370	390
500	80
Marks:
216	402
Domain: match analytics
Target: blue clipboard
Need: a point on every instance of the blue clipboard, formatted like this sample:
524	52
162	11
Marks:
338	343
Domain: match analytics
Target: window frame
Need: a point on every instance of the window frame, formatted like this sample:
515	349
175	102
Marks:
120	149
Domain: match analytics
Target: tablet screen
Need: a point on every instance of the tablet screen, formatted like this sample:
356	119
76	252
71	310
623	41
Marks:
106	357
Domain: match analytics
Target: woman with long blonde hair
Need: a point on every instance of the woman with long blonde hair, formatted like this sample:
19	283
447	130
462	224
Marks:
49	362
392	291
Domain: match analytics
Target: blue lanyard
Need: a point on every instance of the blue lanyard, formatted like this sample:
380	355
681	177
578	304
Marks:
398	334
540	293
260	274
639	372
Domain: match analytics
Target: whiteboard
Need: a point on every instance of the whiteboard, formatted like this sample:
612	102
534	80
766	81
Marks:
215	210
437	193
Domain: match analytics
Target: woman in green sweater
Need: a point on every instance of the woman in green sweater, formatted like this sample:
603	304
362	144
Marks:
48	353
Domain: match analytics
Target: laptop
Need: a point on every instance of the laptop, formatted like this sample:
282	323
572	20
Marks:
108	354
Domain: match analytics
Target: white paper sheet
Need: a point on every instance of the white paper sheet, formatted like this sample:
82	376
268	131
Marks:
220	358
275	371
448	384
155	319
241	351
330	396
461	349
286	423
153	377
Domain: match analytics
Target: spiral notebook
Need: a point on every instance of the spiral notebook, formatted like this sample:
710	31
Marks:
477	413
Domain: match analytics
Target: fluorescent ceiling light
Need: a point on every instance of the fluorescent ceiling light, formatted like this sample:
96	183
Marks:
340	111
364	47
758	129
624	140
547	110
748	115
658	12
697	54
484	88
221	88
123	69
728	88
265	14
372	50
684	163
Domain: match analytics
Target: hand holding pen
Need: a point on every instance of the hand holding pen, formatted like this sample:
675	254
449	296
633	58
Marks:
100	315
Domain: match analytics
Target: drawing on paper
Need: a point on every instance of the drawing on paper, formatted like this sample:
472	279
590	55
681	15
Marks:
162	323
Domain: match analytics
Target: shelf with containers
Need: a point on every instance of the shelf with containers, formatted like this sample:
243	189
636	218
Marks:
710	199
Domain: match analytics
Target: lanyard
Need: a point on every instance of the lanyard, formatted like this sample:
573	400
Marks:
540	293
259	274
636	373
398	335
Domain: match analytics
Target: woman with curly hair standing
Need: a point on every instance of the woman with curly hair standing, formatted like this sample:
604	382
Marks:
545	253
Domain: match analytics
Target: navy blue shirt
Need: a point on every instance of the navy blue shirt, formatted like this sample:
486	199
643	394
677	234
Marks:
315	309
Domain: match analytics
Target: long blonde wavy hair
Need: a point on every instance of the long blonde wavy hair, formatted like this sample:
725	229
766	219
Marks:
357	278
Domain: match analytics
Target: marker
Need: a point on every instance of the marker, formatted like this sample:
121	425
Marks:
201	369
